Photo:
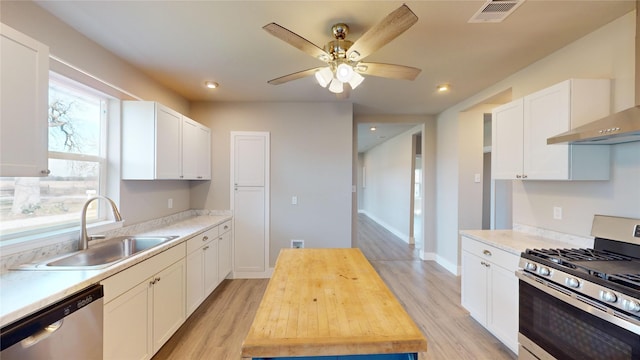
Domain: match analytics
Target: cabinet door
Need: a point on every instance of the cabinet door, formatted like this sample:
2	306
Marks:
168	143
250	152
168	303
249	229
224	256
24	65
502	319
127	324
474	286
210	253
506	146
194	281
190	149
204	153
546	113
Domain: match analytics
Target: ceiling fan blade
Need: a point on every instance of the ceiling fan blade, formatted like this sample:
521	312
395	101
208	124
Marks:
294	76
388	70
382	33
296	41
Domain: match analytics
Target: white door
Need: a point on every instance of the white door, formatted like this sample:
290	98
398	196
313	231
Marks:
250	202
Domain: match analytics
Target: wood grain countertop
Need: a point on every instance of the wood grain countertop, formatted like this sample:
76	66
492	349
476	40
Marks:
322	302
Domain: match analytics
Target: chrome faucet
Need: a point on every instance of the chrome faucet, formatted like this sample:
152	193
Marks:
83	244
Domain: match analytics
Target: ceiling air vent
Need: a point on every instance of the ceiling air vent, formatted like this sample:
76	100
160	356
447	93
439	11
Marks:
495	11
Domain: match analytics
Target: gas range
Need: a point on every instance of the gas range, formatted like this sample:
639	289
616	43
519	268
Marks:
583	303
608	277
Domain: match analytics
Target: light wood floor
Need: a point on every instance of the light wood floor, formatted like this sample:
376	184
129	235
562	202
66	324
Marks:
429	293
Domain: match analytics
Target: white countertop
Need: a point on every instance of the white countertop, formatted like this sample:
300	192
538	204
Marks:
23	292
516	242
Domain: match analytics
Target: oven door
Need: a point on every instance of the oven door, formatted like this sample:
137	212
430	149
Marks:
557	323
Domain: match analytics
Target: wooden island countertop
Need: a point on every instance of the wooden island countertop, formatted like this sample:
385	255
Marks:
329	302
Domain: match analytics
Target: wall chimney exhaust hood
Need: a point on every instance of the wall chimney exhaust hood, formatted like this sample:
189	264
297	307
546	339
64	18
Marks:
621	127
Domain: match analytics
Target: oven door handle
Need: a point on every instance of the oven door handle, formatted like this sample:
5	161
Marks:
581	302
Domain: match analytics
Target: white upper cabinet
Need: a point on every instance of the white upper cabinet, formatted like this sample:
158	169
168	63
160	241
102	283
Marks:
196	150
521	128
24	65
160	143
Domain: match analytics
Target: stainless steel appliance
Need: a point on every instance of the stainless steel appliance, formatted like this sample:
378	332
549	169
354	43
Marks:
583	303
68	329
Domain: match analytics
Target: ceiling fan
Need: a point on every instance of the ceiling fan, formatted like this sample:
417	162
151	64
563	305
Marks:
344	68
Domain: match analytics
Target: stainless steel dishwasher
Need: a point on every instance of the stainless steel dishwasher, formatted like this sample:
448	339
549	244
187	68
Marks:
68	329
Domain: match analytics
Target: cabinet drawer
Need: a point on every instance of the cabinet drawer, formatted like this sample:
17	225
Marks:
224	227
491	253
197	241
119	283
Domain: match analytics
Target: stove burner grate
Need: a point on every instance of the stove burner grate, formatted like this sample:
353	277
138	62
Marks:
557	255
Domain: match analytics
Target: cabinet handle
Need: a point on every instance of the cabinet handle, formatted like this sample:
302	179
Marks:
205	238
487	252
524	176
199	177
157	279
226	227
220	238
518	176
205	248
45	172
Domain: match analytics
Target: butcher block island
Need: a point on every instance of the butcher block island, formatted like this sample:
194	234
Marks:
330	304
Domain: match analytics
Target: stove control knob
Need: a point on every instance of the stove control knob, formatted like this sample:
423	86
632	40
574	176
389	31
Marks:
530	266
608	296
631	305
572	282
544	271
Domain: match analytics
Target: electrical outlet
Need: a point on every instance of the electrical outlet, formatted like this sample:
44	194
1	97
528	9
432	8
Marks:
297	244
557	212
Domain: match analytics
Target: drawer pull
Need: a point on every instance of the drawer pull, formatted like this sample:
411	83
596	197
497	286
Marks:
226	227
487	252
206	247
205	238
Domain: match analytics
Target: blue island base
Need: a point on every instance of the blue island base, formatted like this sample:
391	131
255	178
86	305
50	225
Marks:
406	356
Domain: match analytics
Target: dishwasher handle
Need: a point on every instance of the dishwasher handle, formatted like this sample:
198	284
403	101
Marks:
42	334
32	325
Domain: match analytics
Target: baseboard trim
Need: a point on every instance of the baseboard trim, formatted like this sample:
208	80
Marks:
449	266
252	274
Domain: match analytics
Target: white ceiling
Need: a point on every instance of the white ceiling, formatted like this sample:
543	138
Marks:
183	43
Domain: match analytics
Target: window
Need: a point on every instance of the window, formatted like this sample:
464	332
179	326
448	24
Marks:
77	161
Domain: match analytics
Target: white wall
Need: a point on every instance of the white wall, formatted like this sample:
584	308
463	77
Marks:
311	158
606	53
139	201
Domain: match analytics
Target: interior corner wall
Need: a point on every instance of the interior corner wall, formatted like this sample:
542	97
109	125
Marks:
311	158
138	200
387	196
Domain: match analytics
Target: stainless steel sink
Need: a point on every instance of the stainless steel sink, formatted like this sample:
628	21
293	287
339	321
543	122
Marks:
101	255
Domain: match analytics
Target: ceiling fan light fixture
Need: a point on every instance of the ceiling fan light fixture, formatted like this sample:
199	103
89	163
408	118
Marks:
324	76
356	79
354	55
336	86
344	72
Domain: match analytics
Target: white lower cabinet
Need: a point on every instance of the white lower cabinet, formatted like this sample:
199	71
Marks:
144	306
490	289
202	268
224	250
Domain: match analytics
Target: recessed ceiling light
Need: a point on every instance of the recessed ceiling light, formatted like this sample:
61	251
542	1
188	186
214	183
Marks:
211	84
443	87
373	128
